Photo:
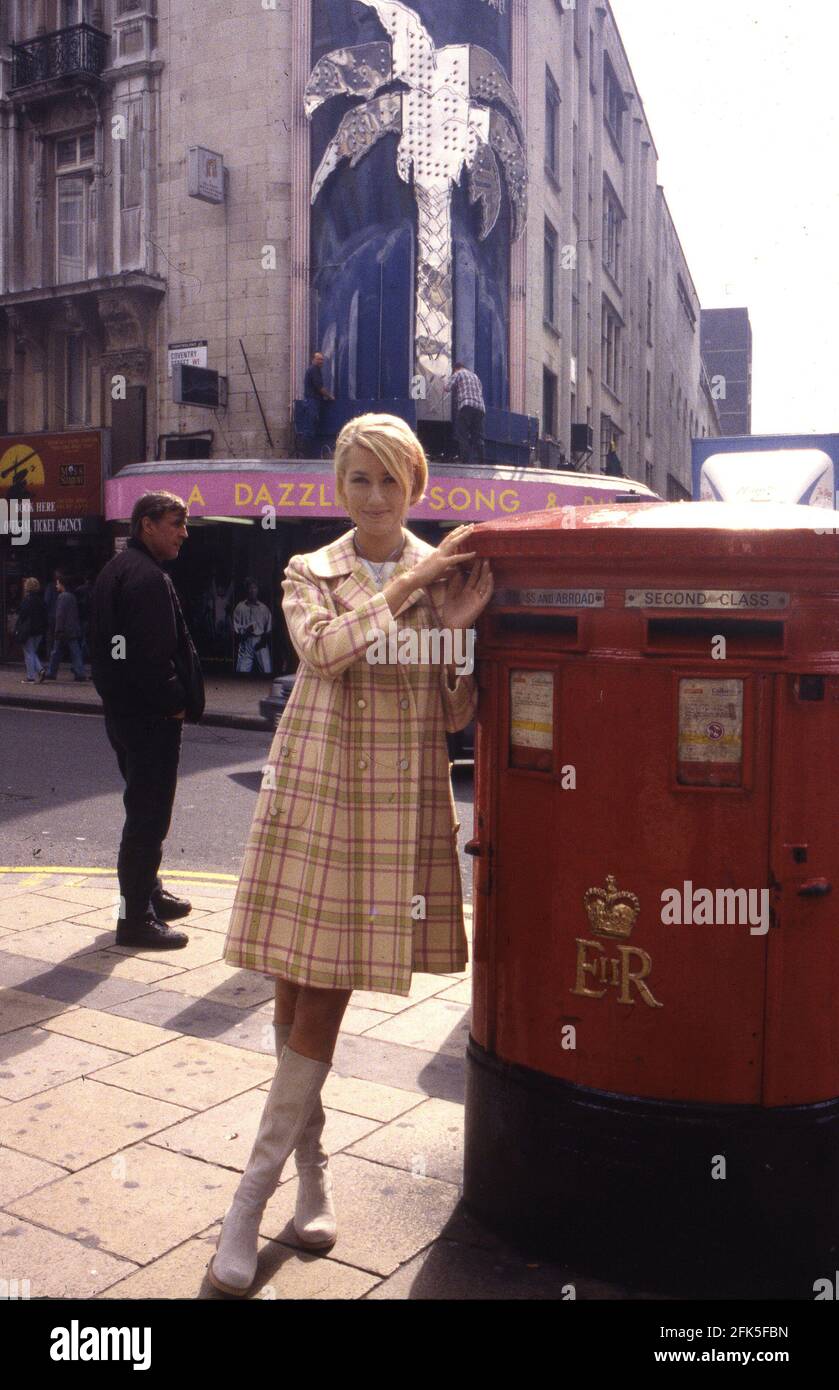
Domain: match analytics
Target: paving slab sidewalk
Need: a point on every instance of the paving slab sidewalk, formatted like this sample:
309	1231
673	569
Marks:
131	1086
232	701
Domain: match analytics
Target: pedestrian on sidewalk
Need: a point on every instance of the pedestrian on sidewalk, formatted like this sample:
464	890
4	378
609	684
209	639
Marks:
31	626
469	412
146	670
67	634
351	877
50	599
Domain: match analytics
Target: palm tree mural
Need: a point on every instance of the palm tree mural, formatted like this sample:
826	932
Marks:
449	116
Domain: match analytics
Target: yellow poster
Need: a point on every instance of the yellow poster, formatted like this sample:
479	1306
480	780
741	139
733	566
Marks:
531	709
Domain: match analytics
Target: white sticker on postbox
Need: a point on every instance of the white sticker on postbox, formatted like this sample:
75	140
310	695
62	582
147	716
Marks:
532	709
710	721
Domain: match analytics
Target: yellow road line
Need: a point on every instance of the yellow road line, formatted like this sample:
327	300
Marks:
175	874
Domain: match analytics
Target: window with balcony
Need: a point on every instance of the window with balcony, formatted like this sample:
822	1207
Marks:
614	104
613	220
73	177
552	105
611	328
74	48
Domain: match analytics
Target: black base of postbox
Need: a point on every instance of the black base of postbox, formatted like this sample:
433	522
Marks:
621	1188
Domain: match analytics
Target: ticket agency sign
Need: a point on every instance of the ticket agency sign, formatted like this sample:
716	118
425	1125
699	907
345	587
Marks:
60	475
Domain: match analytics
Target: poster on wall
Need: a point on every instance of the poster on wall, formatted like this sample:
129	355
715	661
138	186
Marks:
60	475
417	192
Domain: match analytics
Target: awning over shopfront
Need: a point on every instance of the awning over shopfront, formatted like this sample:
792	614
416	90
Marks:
243	488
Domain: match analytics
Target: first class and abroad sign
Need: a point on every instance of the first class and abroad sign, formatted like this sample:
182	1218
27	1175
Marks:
60	475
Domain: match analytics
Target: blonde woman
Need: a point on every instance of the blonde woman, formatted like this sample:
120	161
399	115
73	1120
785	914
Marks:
351	878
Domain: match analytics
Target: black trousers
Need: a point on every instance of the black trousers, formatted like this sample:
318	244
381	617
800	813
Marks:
469	428
148	750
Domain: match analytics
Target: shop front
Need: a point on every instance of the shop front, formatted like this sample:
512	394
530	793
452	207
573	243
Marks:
248	517
58	479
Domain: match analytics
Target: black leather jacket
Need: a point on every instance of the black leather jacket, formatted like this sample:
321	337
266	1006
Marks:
155	670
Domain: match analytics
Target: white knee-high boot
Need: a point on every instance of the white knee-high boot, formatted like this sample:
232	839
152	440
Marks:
294	1089
314	1214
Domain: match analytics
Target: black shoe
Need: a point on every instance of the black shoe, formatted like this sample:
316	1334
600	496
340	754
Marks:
167	906
149	931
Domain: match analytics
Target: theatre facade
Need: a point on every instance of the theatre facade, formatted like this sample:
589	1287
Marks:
226	188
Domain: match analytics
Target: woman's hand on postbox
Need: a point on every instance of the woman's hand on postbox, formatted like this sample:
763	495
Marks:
445	560
467	596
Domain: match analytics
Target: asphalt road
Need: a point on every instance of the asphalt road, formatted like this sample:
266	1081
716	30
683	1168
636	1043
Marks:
61	795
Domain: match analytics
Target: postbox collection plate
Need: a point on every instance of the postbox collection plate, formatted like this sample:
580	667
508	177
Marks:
735	600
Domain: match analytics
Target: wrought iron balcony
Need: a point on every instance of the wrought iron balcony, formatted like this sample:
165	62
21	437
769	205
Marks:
79	51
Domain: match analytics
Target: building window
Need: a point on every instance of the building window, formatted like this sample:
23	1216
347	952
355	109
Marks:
549	309
609	439
575	172
686	302
613	218
613	103
552	103
649	411
76	376
649	312
591	71
549	390
611	347
649	474
73	161
74	12
575	324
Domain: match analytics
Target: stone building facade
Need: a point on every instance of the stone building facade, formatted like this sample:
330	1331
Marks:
612	319
106	262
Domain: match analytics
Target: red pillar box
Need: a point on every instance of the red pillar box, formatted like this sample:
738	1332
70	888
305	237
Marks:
653	1069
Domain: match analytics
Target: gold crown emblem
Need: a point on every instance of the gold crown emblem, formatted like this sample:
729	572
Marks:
610	912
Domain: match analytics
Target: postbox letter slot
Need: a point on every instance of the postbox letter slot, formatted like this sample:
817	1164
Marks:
744	636
560	627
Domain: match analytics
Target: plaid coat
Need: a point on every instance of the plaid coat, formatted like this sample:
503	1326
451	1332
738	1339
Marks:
351	878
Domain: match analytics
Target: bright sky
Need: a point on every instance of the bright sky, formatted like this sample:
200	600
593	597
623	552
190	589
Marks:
741	97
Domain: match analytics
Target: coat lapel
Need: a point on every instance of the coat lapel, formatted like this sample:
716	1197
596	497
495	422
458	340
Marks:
340	561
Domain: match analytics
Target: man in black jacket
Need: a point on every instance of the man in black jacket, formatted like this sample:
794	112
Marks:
146	670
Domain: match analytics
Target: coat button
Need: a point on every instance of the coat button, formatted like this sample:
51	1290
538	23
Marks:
403	704
362	704
285	750
362	762
404	764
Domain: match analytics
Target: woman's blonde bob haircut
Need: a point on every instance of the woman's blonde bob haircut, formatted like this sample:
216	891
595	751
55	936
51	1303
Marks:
32	586
395	446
